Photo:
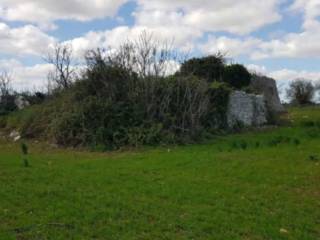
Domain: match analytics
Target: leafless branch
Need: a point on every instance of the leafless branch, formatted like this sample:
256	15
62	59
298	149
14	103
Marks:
5	83
145	56
61	57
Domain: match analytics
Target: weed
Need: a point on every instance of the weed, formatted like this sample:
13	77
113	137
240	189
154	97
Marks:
308	124
314	158
273	143
312	133
234	145
24	149
25	152
279	140
296	142
243	145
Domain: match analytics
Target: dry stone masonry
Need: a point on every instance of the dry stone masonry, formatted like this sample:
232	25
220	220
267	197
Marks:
268	88
254	110
246	110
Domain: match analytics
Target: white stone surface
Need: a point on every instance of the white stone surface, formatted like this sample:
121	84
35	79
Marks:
15	136
246	110
21	102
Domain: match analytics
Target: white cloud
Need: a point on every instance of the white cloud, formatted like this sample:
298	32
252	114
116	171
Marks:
257	69
91	40
293	45
240	17
304	44
26	77
310	9
233	47
290	75
26	40
297	45
285	75
117	36
44	12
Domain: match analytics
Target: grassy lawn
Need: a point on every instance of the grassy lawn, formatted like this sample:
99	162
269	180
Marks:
257	185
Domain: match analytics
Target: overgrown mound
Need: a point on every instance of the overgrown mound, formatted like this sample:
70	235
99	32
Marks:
112	105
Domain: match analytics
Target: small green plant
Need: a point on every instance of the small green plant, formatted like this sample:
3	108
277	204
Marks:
278	140
257	144
296	142
312	133
308	124
287	139
243	145
273	143
25	152
314	158
234	145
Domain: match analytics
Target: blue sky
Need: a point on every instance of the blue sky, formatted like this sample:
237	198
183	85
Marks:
279	38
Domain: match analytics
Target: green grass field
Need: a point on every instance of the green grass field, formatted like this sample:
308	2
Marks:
255	185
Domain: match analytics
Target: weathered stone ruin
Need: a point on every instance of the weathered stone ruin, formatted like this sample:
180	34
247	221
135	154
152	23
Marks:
254	110
246	110
268	88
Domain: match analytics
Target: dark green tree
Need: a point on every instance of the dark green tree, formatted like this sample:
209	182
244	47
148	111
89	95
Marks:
25	152
301	91
210	68
237	76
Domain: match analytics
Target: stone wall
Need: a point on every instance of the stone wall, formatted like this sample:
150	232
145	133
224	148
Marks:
246	110
268	88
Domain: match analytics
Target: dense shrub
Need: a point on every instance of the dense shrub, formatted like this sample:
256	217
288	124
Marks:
214	69
7	104
112	107
218	105
34	98
301	92
237	76
112	112
210	68
112	104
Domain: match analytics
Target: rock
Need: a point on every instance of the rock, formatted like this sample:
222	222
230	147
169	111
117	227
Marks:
17	138
15	135
21	102
54	145
284	231
268	88
246	109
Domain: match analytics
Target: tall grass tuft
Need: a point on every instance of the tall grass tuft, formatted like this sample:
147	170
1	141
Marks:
25	152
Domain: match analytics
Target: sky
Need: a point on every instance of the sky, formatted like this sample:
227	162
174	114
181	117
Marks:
278	38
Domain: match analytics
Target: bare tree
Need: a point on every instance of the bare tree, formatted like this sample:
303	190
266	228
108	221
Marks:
145	55
5	83
301	91
61	57
7	98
